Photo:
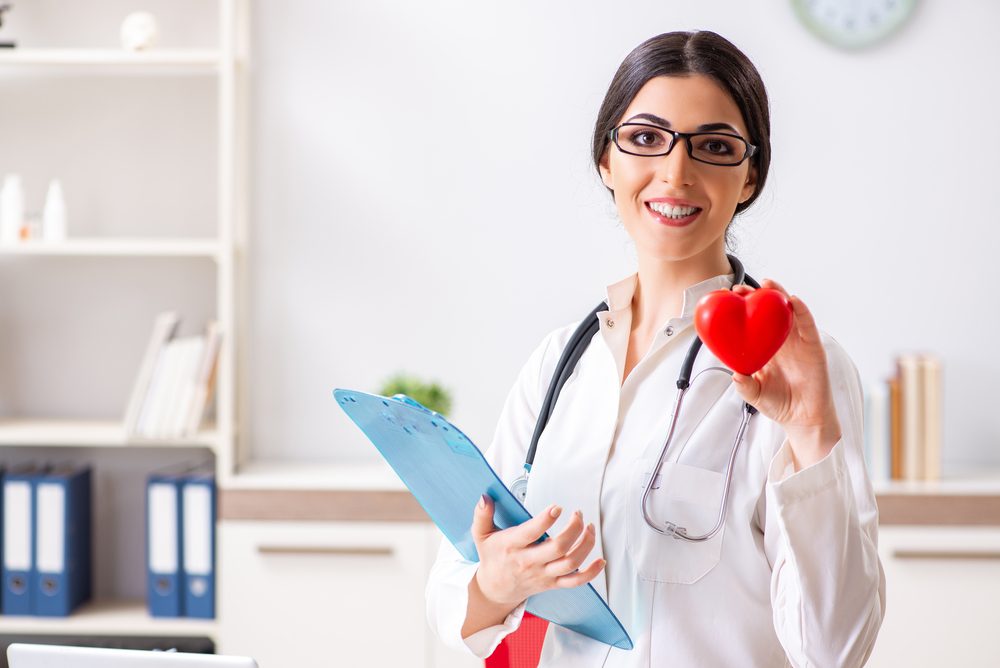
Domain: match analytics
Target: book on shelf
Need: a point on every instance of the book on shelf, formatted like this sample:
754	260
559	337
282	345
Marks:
173	388
164	329
911	396
877	416
896	427
903	421
931	374
203	387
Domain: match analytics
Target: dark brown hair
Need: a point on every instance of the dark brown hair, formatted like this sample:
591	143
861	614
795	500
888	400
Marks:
686	53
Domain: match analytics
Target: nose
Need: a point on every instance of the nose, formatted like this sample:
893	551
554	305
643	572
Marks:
677	166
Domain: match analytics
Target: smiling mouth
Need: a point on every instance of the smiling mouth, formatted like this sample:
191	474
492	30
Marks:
673	216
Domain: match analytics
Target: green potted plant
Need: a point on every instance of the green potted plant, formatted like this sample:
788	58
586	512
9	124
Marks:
430	394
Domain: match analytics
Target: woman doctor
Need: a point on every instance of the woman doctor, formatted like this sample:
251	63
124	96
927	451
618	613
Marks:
792	577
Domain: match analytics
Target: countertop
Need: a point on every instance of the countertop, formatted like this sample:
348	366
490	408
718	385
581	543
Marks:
371	491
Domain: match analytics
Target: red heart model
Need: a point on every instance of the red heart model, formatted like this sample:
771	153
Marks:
743	332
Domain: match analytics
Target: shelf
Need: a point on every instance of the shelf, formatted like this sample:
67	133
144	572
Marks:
207	248
112	618
368	475
206	60
980	483
80	433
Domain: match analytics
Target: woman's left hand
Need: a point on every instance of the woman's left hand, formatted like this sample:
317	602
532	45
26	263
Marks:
793	388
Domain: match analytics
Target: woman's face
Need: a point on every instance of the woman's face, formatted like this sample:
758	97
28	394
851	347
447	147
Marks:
681	103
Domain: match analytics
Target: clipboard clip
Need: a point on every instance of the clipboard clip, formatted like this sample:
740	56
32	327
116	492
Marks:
404	399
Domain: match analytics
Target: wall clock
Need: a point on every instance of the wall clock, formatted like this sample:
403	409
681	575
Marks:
853	24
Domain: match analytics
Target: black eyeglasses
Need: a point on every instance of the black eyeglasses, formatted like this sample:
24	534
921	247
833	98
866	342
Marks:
714	148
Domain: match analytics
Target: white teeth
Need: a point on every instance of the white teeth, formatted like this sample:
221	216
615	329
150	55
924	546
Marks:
670	211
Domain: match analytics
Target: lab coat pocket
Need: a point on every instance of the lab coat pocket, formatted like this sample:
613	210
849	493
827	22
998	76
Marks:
687	496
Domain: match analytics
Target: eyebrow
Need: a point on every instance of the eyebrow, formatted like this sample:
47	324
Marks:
707	127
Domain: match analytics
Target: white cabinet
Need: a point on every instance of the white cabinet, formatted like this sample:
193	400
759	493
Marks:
311	594
942	597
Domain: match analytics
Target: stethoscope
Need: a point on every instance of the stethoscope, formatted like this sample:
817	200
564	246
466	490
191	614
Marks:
574	350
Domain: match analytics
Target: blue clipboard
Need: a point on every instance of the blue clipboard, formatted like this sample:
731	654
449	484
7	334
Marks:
447	474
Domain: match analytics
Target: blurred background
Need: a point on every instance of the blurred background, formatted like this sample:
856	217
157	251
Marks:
357	190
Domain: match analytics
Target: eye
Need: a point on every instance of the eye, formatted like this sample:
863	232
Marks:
644	139
717	147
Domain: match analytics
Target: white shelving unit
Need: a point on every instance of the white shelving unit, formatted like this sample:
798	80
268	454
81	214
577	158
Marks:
109	618
206	60
225	249
92	433
192	248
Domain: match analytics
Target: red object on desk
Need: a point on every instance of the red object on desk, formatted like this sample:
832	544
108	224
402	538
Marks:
523	647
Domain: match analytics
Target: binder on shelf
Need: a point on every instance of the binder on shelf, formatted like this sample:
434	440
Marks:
18	542
63	577
198	528
163	545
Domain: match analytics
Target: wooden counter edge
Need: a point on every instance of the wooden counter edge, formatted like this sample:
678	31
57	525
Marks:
939	509
400	506
320	505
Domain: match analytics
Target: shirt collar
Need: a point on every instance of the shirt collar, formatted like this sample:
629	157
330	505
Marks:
620	293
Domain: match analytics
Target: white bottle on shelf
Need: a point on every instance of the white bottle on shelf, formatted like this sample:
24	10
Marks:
11	209
54	214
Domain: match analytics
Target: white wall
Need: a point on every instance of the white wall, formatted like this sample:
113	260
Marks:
404	219
384	238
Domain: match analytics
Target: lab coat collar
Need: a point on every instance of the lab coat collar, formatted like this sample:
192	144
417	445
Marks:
620	293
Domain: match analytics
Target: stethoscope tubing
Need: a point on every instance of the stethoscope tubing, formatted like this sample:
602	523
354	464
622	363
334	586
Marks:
564	368
671	529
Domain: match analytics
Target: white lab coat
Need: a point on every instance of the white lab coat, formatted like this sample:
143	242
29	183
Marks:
792	578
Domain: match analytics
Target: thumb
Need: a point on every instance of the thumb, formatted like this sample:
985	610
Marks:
747	386
482	519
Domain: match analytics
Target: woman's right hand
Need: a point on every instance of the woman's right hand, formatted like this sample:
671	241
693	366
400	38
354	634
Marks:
513	567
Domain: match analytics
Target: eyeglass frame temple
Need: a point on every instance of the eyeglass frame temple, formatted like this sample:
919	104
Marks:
751	148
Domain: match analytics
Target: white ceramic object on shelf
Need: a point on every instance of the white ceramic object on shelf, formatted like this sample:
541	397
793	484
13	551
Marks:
54	214
11	209
139	31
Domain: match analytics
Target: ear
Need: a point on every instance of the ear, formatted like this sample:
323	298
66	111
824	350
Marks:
605	168
750	186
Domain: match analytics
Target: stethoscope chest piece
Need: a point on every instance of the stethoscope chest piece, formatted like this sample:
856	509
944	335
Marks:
519	488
